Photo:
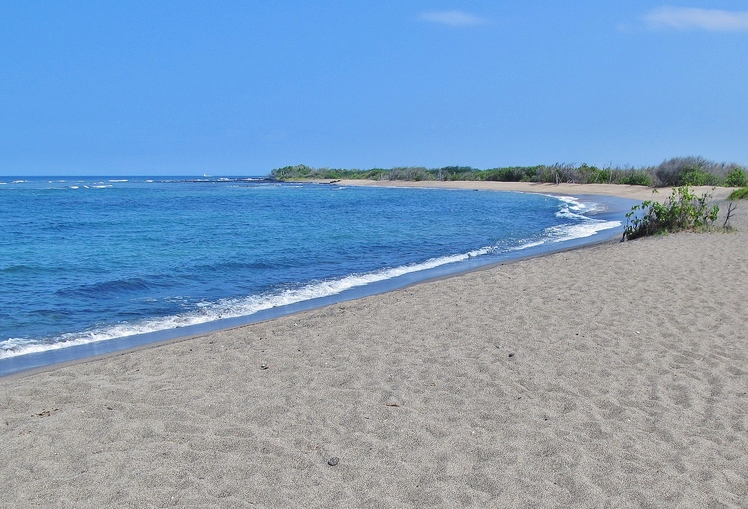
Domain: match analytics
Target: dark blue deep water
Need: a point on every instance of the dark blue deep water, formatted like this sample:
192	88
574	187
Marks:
91	259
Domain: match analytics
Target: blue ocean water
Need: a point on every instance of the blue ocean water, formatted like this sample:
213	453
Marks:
89	259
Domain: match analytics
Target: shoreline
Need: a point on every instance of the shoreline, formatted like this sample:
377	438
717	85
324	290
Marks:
220	329
184	333
613	375
35	362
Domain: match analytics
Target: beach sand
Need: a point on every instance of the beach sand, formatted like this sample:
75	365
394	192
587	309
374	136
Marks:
614	375
718	194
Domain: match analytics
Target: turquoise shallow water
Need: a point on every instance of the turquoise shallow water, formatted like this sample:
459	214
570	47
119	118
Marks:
87	260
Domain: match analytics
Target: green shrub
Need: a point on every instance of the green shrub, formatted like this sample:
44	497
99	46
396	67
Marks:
691	171
636	178
413	173
737	178
698	177
683	210
739	194
505	174
598	176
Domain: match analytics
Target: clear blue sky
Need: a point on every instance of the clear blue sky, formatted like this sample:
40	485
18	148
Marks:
242	87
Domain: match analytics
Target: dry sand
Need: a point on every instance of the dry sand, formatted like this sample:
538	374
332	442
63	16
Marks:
610	376
632	192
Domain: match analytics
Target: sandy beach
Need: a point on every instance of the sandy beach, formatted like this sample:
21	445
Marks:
614	375
631	192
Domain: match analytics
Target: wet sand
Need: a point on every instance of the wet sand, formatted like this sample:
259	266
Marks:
614	375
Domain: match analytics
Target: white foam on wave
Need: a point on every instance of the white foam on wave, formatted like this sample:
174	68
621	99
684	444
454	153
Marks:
581	230
527	245
574	209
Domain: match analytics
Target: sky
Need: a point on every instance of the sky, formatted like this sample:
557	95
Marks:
241	87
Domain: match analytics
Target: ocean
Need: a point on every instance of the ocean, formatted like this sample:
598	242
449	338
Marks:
95	261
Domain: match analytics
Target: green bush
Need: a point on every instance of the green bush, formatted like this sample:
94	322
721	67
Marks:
598	176
412	173
691	171
739	194
682	210
636	178
698	177
737	178
505	174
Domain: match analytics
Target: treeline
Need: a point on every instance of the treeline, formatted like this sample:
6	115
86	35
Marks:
678	171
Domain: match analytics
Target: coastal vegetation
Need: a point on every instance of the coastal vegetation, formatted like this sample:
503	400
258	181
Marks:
739	194
737	178
675	172
682	210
